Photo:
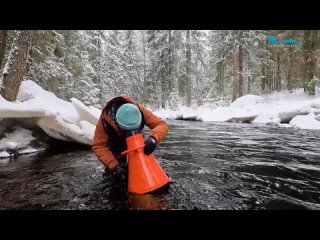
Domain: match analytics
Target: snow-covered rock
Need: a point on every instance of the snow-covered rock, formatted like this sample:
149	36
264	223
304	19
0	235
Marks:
19	138
305	122
265	118
285	125
19	141
29	150
4	154
247	100
288	115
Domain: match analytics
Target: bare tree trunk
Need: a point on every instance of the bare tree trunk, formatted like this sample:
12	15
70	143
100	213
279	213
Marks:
238	66
240	74
3	43
170	83
235	74
249	83
289	78
164	96
220	77
263	77
278	78
272	73
268	68
268	76
144	69
198	92
188	69
222	72
16	67
152	84
164	81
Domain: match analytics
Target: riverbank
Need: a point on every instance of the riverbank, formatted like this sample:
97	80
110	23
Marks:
284	109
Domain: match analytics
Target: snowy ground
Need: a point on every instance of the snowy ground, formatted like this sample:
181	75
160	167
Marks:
74	121
284	109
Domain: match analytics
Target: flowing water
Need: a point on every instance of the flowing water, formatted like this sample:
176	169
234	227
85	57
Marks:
211	166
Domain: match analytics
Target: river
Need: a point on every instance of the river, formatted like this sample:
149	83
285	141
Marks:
211	166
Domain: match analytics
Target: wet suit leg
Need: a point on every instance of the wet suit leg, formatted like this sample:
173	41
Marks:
119	188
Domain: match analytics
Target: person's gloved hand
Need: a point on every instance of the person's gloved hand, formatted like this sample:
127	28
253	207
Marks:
120	173
149	145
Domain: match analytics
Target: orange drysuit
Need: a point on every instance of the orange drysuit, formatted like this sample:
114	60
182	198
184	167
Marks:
109	141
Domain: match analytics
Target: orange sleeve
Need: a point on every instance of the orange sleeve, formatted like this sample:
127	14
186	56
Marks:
159	129
101	149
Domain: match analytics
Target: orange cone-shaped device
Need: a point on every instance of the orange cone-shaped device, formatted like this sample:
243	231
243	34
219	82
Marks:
144	172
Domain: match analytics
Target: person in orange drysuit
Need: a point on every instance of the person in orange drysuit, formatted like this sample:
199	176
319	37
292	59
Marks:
120	116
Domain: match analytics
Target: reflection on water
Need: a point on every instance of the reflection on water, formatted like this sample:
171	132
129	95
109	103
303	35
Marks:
147	202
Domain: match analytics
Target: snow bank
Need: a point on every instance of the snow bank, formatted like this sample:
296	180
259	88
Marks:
278	108
18	110
68	121
32	95
166	114
57	128
220	114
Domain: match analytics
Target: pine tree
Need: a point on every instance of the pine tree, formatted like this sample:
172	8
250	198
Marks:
200	63
48	66
311	43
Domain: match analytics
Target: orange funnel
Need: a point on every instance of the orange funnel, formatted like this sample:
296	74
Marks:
145	174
